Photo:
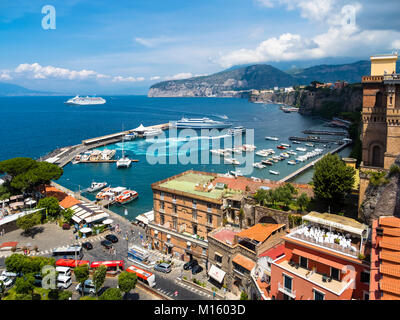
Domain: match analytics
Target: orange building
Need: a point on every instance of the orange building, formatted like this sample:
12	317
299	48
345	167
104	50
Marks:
385	259
324	260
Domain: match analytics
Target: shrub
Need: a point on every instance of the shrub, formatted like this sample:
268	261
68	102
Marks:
53	294
394	169
64	295
66	226
361	256
244	296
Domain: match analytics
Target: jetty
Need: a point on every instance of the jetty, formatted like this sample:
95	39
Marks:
312	163
314	139
325	132
63	156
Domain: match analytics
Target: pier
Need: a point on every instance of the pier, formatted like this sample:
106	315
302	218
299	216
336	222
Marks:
63	156
311	164
324	132
313	139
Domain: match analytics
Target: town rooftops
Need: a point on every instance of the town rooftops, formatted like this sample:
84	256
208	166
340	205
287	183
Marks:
274	252
243	261
260	232
66	201
337	222
224	234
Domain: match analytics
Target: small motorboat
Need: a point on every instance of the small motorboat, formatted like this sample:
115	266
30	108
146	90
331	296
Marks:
285	145
272	138
296	142
274	172
96	186
301	149
281	147
258	165
292	162
126	196
266	162
236	173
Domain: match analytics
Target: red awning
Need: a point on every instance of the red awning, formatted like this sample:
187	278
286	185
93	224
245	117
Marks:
316	258
9	244
71	263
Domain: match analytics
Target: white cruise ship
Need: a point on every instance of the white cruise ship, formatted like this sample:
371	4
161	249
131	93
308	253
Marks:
200	123
82	101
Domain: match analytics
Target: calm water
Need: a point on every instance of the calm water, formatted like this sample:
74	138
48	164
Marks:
33	126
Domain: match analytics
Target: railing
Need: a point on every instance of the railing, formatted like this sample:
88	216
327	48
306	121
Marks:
291	293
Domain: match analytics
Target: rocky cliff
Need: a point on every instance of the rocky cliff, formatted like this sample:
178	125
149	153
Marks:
383	199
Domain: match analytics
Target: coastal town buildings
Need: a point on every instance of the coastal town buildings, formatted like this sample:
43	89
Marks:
326	258
233	255
380	117
385	259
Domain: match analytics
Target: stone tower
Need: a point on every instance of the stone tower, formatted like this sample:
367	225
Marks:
380	117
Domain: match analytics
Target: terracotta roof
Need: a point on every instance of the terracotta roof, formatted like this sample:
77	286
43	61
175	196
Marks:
390	285
225	235
260	232
65	200
391	270
244	262
394	232
392	243
274	252
68	202
385	255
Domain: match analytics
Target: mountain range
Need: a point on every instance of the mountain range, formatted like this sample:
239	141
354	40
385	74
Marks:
9	89
260	76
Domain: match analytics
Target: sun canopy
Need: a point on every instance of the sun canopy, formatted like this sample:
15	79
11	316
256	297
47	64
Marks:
141	128
86	230
337	222
108	221
216	273
88	212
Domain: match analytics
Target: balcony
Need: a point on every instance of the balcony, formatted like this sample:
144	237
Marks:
161	210
289	292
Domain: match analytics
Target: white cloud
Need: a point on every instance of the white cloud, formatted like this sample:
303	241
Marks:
127	79
155	78
180	76
265	3
154	42
36	71
5	75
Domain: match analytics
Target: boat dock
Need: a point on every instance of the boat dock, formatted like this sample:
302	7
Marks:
313	139
311	164
324	132
63	156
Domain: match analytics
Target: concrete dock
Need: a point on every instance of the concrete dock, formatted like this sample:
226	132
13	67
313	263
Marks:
311	164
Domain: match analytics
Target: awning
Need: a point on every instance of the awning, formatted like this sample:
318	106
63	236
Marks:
86	230
216	273
97	217
316	258
108	221
142	219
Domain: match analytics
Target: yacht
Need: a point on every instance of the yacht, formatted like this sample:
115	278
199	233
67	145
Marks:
237	131
126	196
200	123
152	132
81	101
123	162
272	138
96	186
130	136
274	172
296	142
258	165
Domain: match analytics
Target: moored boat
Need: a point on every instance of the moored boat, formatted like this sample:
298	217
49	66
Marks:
274	172
126	196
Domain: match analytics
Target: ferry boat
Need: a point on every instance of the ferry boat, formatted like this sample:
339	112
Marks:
274	172
82	101
96	186
200	123
126	196
110	193
237	131
272	138
152	132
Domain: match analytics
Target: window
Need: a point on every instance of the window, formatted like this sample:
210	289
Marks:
194	203
218	258
175	223
208	207
304	262
318	295
162	219
194	228
194	213
204	251
287	282
365	277
209	219
174	208
335	273
162	205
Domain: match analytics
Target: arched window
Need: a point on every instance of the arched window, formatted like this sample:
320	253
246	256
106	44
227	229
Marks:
376	156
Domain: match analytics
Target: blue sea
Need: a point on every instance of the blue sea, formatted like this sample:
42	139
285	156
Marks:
34	126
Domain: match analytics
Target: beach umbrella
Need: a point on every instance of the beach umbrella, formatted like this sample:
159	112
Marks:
108	221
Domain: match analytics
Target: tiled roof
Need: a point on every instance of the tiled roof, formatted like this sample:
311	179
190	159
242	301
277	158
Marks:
389	222
390	285
65	200
394	232
274	252
260	232
391	243
393	257
389	269
244	262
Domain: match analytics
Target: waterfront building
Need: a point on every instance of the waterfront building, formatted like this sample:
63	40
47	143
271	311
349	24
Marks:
233	254
380	118
385	259
325	258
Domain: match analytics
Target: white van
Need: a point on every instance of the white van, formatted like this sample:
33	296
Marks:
6	281
88	287
64	282
63	271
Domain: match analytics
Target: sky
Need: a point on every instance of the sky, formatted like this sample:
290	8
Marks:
125	46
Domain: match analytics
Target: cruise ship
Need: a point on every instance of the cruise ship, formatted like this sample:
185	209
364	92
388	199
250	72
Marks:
82	101
200	123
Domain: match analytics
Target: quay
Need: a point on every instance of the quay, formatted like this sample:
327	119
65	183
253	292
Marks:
103	161
65	155
311	164
324	132
312	139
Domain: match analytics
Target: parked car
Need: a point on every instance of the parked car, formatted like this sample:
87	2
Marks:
8	274
7	281
38	279
88	287
189	265
112	238
87	245
197	269
107	244
163	267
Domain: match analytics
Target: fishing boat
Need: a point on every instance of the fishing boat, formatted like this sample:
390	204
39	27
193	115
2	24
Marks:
258	165
96	186
126	196
272	138
301	149
274	172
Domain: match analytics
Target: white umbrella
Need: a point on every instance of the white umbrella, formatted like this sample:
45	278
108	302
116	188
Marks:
85	230
108	221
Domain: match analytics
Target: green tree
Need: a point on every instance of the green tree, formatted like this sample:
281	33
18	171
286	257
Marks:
2	290
260	196
303	201
99	276
51	205
332	180
127	281
16	166
64	295
67	214
111	294
23	296
244	296
25	284
28	222
81	274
